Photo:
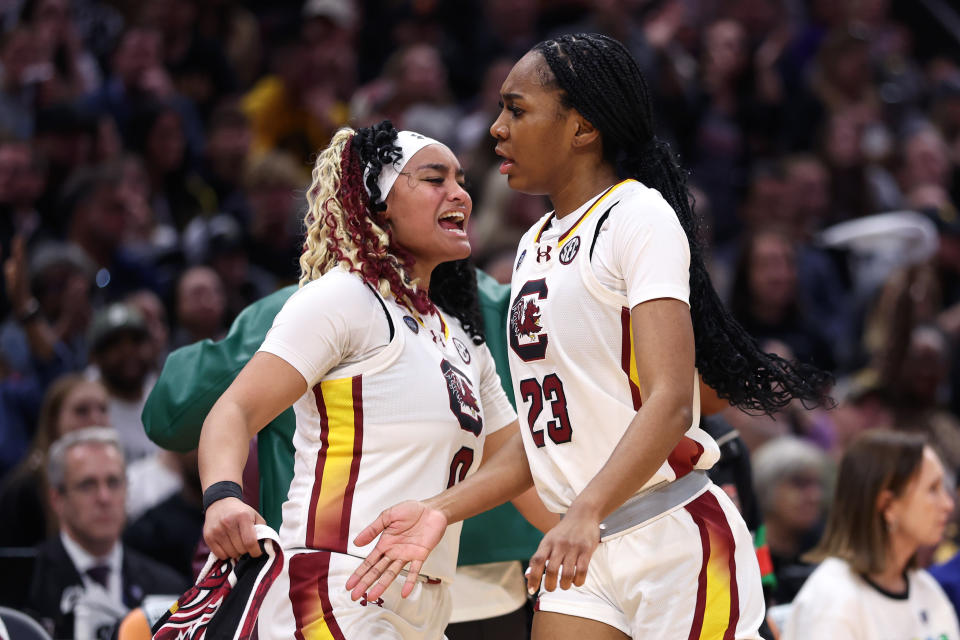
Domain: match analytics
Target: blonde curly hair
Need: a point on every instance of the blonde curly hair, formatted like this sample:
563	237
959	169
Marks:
342	229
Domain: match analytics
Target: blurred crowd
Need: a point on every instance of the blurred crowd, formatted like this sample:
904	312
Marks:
154	156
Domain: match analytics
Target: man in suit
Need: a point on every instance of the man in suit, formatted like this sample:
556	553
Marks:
84	578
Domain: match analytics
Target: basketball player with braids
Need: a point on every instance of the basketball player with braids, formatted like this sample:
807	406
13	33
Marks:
382	355
613	316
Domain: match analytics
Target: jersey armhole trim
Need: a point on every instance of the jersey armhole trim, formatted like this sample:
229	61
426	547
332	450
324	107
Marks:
590	281
596	230
384	307
381	360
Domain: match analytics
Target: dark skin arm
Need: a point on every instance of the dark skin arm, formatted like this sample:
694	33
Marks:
663	335
663	342
410	530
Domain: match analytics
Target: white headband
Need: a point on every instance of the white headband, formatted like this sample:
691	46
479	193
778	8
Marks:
410	143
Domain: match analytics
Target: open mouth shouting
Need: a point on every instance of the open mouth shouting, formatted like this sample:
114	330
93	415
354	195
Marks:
453	221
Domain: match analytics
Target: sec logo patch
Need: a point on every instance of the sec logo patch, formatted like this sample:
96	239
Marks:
569	251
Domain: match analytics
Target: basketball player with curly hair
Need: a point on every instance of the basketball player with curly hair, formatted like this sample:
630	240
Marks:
382	355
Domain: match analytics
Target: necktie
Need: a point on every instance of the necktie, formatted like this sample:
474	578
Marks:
99	573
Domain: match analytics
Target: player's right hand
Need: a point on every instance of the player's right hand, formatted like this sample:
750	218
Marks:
408	532
228	528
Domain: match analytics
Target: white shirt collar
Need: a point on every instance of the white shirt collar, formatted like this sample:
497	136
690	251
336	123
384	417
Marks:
83	560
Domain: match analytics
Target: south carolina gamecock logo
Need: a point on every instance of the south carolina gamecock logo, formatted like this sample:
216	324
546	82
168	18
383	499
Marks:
527	338
463	402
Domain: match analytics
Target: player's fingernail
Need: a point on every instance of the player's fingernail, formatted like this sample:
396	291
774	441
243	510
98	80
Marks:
532	590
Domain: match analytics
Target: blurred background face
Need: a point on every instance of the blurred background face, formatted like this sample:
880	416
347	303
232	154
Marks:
18	55
326	55
20	181
797	501
63	290
724	51
422	74
155	316
84	406
125	361
227	150
201	301
843	141
165	143
767	203
274	206
849	70
512	17
139	51
808	189
103	216
52	21
925	366
773	272
926	160
172	16
90	505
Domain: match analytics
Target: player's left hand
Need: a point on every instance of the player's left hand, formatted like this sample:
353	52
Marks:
408	533
564	553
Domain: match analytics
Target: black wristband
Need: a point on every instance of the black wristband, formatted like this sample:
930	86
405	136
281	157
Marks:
221	490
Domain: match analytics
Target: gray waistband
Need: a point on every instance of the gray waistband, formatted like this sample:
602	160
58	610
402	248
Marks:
653	502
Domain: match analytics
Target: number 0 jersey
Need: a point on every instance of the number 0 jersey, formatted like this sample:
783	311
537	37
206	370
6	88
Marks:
570	340
379	424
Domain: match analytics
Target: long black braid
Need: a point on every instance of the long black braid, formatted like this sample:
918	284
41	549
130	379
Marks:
453	285
600	79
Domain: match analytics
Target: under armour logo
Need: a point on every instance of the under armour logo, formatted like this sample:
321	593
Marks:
543	253
437	338
364	602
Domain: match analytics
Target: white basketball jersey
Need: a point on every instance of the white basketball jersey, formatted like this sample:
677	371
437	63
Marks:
571	353
405	424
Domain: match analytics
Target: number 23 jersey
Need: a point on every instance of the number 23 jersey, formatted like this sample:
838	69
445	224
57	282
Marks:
385	418
570	341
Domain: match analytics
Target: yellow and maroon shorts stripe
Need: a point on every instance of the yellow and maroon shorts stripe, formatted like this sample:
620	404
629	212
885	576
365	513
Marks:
340	403
310	597
718	605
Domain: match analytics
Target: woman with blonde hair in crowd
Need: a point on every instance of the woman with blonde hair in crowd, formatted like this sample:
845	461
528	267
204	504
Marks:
890	501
